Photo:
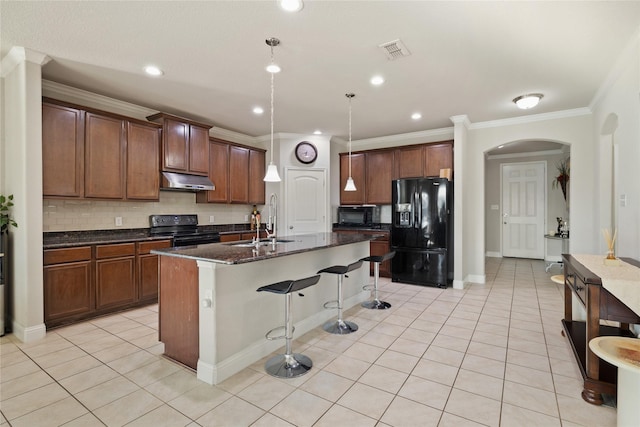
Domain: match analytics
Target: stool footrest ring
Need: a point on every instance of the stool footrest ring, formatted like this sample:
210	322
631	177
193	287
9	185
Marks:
332	304
270	337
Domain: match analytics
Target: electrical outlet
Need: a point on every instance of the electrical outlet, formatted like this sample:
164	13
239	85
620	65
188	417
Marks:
118	221
211	219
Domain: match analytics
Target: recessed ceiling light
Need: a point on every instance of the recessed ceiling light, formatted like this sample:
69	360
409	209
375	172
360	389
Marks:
291	5
530	100
377	80
258	110
416	116
317	132
152	70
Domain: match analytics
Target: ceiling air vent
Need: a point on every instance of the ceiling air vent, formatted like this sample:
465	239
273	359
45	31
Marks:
394	49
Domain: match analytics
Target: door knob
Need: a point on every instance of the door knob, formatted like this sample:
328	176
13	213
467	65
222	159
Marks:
291	227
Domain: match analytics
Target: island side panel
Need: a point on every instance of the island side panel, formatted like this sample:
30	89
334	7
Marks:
178	308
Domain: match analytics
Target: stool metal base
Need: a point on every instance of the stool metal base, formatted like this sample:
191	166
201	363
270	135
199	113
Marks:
376	304
340	327
288	365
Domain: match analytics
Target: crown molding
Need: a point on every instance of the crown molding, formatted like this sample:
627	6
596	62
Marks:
585	111
432	135
19	54
530	154
229	135
462	119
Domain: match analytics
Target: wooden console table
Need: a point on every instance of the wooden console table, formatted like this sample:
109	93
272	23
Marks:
599	376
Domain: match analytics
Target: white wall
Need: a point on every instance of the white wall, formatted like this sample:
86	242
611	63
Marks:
620	96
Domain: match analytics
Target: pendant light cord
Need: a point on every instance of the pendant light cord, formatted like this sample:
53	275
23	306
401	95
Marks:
350	137
272	110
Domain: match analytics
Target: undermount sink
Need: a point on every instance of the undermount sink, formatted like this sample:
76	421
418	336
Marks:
262	242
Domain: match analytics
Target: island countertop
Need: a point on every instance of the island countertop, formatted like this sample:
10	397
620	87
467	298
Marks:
242	252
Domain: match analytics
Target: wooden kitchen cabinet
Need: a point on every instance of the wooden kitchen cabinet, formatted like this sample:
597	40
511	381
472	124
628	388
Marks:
147	269
104	157
185	144
68	284
218	173
238	174
143	161
436	157
115	275
379	173
62	151
358	166
256	177
409	162
379	246
230	237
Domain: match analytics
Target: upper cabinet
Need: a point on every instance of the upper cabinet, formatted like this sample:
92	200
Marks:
237	173
358	174
94	154
62	151
185	144
373	171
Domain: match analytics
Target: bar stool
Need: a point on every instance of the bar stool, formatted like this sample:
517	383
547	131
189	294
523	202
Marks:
376	260
341	327
288	365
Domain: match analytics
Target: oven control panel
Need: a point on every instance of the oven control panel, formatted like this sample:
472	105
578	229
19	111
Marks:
173	220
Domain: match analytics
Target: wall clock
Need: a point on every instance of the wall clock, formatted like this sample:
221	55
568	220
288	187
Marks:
306	152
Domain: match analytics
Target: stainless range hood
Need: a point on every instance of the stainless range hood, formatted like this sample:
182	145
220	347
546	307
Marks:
182	181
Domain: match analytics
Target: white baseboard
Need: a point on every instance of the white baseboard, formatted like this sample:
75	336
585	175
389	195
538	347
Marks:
492	254
476	278
29	334
458	284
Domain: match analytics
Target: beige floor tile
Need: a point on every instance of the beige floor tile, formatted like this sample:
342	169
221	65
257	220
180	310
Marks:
50	345
116	352
489	338
582	413
147	342
152	372
87	379
107	392
418	335
24	384
340	416
73	367
444	355
25	403
531	377
389	329
266	392
55	414
132	361
405	412
164	415
366	400
567	368
478	383
320	357
427	326
531	398
301	408
269	420
138	332
327	386
86	420
527	346
127	408
61	356
529	360
232	412
450	420
199	400
347	367
409	347
567	386
399	320
487	350
378	339
452	343
365	352
242	379
100	344
399	361
384	378
434	371
426	392
520	417
474	407
11	357
18	370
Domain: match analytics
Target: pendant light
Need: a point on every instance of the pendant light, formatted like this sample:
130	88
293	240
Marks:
272	170
351	186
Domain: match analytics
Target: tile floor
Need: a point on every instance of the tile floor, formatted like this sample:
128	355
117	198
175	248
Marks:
488	355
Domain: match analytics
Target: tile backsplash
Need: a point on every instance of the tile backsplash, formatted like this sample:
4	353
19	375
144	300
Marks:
77	215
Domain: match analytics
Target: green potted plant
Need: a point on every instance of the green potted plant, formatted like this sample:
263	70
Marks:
6	202
562	178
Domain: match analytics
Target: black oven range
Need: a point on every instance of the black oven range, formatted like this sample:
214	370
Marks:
183	229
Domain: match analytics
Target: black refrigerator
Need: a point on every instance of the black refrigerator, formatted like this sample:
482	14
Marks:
422	231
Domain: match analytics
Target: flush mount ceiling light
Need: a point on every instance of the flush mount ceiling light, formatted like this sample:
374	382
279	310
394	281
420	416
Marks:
273	67
416	116
350	186
317	132
377	80
258	110
530	100
272	170
291	5
152	70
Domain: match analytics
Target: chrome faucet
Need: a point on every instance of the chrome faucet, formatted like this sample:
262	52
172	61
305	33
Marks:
272	220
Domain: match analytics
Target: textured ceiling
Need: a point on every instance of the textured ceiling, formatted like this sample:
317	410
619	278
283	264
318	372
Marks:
468	58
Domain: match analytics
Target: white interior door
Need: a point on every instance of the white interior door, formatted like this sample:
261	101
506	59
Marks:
306	210
523	210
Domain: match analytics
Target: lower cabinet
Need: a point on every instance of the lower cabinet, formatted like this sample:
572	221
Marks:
89	281
379	246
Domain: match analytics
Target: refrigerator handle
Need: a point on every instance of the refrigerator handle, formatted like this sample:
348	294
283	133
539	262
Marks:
416	206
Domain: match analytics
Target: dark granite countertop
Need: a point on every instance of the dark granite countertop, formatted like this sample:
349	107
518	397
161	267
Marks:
375	227
231	253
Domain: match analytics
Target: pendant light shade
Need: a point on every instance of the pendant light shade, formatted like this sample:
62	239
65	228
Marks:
272	170
350	186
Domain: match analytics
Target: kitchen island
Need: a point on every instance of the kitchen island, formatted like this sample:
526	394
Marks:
213	320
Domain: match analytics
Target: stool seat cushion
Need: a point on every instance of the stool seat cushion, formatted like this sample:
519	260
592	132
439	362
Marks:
379	258
341	269
288	286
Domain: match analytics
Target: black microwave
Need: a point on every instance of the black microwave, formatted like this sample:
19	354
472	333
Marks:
357	216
